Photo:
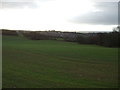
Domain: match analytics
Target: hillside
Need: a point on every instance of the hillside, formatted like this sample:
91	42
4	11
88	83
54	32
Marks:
57	64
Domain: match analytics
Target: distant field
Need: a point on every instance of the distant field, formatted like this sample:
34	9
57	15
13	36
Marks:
57	64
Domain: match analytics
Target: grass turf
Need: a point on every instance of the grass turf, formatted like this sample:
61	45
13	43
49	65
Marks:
57	64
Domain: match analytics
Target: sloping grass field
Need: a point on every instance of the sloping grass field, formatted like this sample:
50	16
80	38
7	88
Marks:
57	64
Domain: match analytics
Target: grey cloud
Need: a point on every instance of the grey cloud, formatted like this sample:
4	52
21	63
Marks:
107	5
17	4
20	3
105	0
107	16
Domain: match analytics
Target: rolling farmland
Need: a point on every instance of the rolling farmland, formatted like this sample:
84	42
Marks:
57	64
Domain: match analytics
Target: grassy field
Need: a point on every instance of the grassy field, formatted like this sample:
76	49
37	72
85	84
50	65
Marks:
57	64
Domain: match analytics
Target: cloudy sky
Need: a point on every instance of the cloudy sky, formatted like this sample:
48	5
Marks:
62	15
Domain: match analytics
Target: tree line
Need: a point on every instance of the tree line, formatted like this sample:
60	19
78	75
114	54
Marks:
109	39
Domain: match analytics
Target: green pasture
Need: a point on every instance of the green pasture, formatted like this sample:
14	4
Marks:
57	64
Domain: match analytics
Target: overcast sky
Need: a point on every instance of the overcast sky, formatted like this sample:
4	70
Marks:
64	15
